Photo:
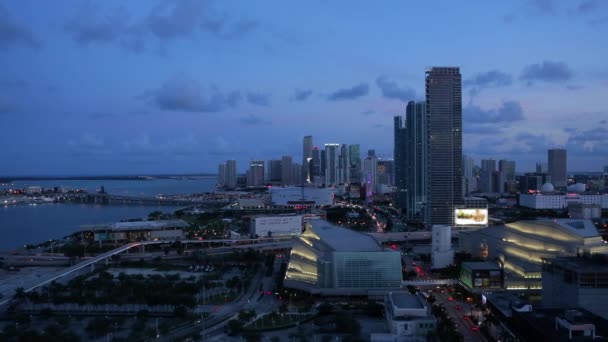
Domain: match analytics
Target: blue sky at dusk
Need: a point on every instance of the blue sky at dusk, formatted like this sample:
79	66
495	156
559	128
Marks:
117	87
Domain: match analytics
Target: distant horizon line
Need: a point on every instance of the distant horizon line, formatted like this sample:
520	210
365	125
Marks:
163	175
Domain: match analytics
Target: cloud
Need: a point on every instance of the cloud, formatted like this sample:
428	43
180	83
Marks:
166	21
587	6
603	122
258	99
301	94
351	93
368	112
12	33
391	90
543	7
89	26
592	142
492	78
186	95
252	119
509	111
222	147
547	71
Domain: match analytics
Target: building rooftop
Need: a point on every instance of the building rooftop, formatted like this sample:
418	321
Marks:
342	239
583	228
480	266
592	264
406	301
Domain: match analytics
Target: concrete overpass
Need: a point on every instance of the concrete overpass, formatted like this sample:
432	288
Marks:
405	236
274	243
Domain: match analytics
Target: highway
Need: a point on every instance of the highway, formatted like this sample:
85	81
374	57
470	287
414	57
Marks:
254	243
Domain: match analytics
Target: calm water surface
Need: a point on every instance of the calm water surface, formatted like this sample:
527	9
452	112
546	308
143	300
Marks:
23	224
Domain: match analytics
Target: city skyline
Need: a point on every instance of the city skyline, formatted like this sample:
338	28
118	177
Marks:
180	86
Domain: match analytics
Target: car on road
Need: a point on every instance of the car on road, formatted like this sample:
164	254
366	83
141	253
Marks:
457	307
474	328
466	318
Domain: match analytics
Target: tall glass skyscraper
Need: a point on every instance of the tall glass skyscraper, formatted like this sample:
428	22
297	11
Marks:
444	118
558	167
416	159
306	159
399	155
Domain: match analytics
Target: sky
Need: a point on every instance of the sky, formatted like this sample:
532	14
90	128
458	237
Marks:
162	86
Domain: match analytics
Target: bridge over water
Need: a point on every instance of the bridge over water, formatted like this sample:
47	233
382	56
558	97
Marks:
122	199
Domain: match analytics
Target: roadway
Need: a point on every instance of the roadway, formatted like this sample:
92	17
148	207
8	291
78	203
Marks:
256	243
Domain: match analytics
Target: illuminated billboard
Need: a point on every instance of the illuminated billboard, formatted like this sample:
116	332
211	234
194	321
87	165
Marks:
471	217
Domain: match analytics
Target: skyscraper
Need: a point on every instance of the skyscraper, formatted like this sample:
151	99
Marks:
506	174
344	165
416	130
370	174
316	162
306	159
274	172
331	164
558	167
286	170
230	174
444	115
221	174
355	163
486	176
256	173
399	155
470	182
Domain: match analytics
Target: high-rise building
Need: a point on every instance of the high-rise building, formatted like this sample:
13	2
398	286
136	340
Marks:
344	165
370	175
296	168
386	171
307	159
371	153
444	115
316	174
274	170
256	173
558	167
332	155
470	181
230	180
399	155
487	175
416	140
506	174
542	168
355	163
286	170
221	174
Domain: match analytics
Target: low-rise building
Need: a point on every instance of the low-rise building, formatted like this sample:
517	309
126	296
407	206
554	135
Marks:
120	232
561	201
331	260
276	225
576	282
408	316
302	196
584	211
481	276
521	246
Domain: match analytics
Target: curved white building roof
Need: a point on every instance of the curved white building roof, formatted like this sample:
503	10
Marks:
340	239
547	187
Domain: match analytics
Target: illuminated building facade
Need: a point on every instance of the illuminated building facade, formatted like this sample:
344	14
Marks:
332	260
521	246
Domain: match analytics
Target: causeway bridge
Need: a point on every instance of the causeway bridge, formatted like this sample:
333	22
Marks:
104	198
